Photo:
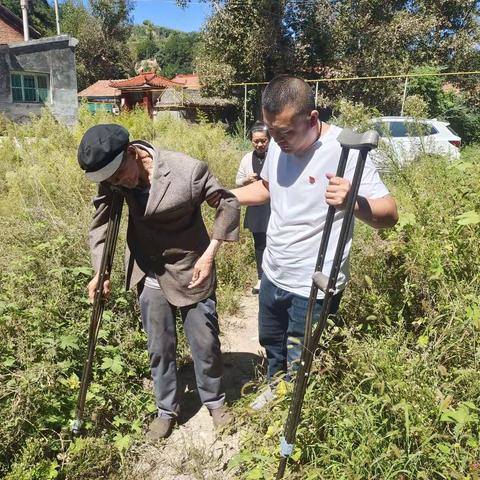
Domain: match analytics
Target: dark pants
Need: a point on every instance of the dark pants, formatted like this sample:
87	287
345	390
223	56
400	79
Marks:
200	324
260	242
281	324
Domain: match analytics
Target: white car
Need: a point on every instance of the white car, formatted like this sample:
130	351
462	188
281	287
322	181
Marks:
403	138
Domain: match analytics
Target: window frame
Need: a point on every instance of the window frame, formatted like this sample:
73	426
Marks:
41	95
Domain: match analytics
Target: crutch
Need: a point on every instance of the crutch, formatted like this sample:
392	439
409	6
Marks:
99	303
348	140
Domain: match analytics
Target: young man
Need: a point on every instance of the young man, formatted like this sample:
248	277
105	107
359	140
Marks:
299	180
170	258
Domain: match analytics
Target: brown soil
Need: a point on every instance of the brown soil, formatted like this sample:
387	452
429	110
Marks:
195	451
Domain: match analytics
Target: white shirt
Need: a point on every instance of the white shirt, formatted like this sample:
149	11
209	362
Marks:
297	186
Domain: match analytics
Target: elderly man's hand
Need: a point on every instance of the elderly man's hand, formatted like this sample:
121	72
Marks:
202	270
337	191
92	287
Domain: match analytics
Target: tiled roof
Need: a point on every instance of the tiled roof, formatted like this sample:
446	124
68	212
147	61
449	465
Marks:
144	80
101	88
189	80
194	98
190	98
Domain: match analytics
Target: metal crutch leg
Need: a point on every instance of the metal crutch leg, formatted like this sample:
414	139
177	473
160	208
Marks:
348	140
98	303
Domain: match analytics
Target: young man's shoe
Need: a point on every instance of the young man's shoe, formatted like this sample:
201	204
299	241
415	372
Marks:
266	397
160	428
256	288
221	417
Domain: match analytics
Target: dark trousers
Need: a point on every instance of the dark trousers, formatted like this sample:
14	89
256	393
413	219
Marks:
281	324
200	324
260	242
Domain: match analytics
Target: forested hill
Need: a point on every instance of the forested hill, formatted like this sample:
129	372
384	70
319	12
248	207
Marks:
110	45
172	49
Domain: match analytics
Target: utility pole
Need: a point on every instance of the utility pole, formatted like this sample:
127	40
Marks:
24	7
57	19
405	86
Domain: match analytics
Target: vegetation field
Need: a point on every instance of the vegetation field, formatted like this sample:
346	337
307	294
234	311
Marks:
396	388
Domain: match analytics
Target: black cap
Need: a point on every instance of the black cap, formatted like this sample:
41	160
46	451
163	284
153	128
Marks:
101	151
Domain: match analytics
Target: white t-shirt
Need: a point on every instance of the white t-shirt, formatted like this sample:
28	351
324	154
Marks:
297	195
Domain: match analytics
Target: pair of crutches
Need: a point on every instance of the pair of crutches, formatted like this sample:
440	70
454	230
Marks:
348	140
327	284
99	303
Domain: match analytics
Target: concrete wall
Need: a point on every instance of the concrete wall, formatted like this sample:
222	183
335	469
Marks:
54	56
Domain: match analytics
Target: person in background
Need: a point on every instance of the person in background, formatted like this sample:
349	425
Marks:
256	217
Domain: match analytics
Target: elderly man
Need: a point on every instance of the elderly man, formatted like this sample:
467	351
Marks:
297	178
169	258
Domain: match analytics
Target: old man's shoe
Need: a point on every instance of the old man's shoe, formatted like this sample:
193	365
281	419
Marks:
160	428
221	417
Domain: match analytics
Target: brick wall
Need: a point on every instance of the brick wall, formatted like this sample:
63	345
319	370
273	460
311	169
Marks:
8	34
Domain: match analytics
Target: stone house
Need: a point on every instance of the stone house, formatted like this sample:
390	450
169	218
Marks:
36	74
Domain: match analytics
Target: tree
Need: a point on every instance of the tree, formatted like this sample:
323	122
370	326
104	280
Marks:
244	41
41	15
102	31
173	50
253	40
176	53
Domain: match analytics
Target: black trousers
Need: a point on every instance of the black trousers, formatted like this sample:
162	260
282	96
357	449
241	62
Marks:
260	242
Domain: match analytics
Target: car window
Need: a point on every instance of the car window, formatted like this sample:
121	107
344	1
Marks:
452	130
404	129
382	128
398	129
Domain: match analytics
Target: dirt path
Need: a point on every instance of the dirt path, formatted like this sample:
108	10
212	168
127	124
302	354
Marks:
195	451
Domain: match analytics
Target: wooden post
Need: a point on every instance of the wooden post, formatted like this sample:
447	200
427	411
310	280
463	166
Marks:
404	95
245	113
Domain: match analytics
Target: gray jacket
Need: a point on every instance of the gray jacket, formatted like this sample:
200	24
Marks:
169	235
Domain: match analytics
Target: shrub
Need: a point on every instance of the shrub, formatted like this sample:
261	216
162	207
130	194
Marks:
395	394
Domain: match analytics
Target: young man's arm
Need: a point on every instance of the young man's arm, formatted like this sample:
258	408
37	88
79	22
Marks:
256	193
376	212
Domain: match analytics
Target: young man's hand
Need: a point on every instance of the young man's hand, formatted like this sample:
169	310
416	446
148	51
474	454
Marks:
92	287
337	191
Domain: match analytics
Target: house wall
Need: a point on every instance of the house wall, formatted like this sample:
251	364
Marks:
53	56
8	34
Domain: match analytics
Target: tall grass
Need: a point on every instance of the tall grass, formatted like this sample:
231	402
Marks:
396	394
45	211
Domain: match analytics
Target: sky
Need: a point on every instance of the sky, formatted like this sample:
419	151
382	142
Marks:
165	13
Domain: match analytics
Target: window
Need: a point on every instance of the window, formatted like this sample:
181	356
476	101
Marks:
398	129
405	129
451	130
29	87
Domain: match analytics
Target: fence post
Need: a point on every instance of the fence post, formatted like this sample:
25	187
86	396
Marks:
245	112
404	95
316	94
